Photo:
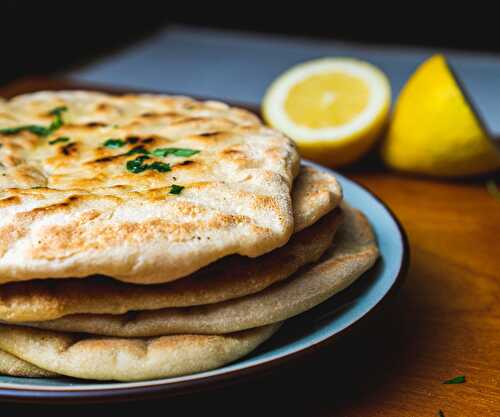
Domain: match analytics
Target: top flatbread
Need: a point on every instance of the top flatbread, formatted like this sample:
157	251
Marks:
73	209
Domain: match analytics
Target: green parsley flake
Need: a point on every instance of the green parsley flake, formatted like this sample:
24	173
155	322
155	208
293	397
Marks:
60	139
175	151
160	167
58	122
176	189
114	143
37	129
12	130
440	413
58	111
137	165
457	380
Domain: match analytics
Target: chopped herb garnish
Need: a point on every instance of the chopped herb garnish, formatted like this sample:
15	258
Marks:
493	189
56	124
40	130
176	189
12	130
138	149
37	129
457	380
114	143
141	158
60	139
440	413
58	121
175	151
160	167
58	111
137	165
160	152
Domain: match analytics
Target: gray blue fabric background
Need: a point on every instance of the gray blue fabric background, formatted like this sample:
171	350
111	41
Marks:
239	66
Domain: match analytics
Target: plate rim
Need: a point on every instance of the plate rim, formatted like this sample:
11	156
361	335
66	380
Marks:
35	394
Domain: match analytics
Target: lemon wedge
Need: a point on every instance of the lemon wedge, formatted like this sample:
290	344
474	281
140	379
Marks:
334	108
435	130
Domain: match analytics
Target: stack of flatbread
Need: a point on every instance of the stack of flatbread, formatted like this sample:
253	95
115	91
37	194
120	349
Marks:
147	236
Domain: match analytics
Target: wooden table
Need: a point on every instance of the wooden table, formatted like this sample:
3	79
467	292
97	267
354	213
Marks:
444	322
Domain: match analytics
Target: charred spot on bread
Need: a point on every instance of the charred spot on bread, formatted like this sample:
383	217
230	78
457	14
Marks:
69	149
210	134
96	124
133	140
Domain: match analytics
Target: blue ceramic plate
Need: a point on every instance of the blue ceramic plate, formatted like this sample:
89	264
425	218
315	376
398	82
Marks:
297	336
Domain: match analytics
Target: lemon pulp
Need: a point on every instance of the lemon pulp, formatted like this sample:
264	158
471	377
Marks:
326	100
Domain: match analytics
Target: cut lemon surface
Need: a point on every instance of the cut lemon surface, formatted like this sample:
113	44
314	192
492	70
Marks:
334	108
435	130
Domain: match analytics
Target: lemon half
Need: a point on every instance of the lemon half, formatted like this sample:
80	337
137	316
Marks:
334	108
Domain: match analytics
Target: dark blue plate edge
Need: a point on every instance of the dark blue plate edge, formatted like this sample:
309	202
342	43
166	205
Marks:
211	382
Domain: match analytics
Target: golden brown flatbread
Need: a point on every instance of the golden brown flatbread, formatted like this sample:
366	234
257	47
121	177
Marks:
13	366
314	194
91	183
129	359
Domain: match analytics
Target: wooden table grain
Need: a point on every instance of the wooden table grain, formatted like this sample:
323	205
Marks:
444	322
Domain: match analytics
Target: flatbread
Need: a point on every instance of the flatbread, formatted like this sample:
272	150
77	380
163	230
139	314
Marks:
353	252
10	365
314	194
73	209
129	359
